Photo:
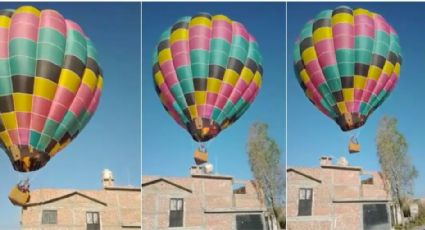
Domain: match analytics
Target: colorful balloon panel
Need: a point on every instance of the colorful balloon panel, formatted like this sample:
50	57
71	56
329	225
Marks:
347	62
50	84
207	71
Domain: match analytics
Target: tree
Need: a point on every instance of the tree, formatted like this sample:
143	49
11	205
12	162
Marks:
394	159
269	173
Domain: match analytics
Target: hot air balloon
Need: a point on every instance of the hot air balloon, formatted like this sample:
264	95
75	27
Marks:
207	71
50	84
347	62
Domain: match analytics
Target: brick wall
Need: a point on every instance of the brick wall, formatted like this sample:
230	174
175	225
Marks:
122	208
338	197
209	202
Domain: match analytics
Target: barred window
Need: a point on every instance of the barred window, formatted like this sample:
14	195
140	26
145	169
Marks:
176	212
49	217
305	201
93	220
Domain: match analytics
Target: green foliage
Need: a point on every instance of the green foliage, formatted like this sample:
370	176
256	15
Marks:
269	173
419	220
392	150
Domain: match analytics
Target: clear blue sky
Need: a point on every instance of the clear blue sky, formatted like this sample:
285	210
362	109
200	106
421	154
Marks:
112	138
167	148
311	134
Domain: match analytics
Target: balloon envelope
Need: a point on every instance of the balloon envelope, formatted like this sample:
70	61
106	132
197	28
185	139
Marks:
207	71
50	84
347	62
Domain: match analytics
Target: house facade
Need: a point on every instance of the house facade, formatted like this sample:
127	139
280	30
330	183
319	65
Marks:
202	201
336	196
112	207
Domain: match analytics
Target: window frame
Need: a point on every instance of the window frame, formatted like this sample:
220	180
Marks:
304	192
240	218
179	210
373	208
46	218
92	214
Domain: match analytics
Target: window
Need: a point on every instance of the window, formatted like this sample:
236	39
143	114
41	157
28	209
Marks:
239	188
268	222
375	216
176	212
93	221
366	179
253	221
49	217
305	202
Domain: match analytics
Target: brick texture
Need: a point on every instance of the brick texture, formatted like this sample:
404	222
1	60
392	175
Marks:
338	196
209	201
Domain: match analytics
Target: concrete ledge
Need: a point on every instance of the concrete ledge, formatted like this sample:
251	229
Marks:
166	181
123	188
304	174
360	200
212	176
342	167
309	218
233	210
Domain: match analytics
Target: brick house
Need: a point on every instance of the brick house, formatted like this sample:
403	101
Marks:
336	196
112	207
201	201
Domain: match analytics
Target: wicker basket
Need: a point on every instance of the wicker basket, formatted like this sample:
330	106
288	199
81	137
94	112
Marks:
18	197
353	147
200	157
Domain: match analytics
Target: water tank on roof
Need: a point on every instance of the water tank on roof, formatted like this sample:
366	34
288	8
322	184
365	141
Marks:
107	174
208	168
342	161
107	178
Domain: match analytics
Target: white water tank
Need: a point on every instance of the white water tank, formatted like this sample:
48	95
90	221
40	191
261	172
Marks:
342	161
208	168
107	178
